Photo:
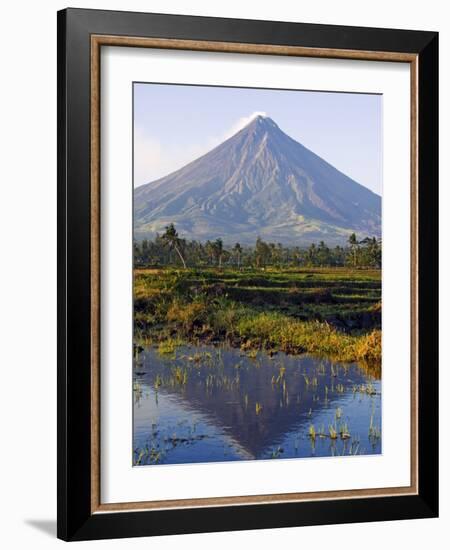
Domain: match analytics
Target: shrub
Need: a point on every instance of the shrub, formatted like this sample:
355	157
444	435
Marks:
368	347
187	316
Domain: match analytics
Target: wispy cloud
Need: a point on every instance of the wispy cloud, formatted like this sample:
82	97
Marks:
242	122
153	161
147	156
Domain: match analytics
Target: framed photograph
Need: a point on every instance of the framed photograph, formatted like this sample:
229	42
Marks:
247	260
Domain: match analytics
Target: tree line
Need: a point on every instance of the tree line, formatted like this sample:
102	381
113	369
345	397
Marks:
169	249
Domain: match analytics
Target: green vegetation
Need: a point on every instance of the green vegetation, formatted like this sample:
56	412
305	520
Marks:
331	312
171	250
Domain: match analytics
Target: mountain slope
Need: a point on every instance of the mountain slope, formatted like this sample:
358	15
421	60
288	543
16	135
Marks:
259	182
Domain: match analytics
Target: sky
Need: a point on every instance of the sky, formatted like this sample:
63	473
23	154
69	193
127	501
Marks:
175	124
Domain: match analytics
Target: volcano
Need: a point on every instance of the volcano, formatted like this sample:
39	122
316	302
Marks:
258	183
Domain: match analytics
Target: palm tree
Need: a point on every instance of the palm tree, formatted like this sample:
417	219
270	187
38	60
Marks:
373	247
218	250
311	254
262	253
209	249
237	249
171	239
323	254
353	242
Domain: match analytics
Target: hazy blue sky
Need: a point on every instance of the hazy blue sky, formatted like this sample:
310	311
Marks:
174	124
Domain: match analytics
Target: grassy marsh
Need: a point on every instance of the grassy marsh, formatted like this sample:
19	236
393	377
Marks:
328	312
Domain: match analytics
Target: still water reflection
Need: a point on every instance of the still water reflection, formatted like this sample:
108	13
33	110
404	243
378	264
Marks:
214	404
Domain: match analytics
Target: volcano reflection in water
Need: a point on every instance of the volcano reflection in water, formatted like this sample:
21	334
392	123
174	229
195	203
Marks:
211	404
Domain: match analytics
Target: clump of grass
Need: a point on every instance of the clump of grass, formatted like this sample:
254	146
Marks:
368	389
201	358
280	377
179	376
322	433
147	455
158	381
169	346
225	316
333	432
354	448
276	453
272	330
138	391
344	431
374	431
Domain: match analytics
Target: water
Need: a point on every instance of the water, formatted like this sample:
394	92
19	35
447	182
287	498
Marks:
215	404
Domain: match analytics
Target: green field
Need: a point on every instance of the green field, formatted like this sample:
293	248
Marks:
330	312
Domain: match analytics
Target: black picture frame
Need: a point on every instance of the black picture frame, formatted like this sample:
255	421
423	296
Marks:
75	518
